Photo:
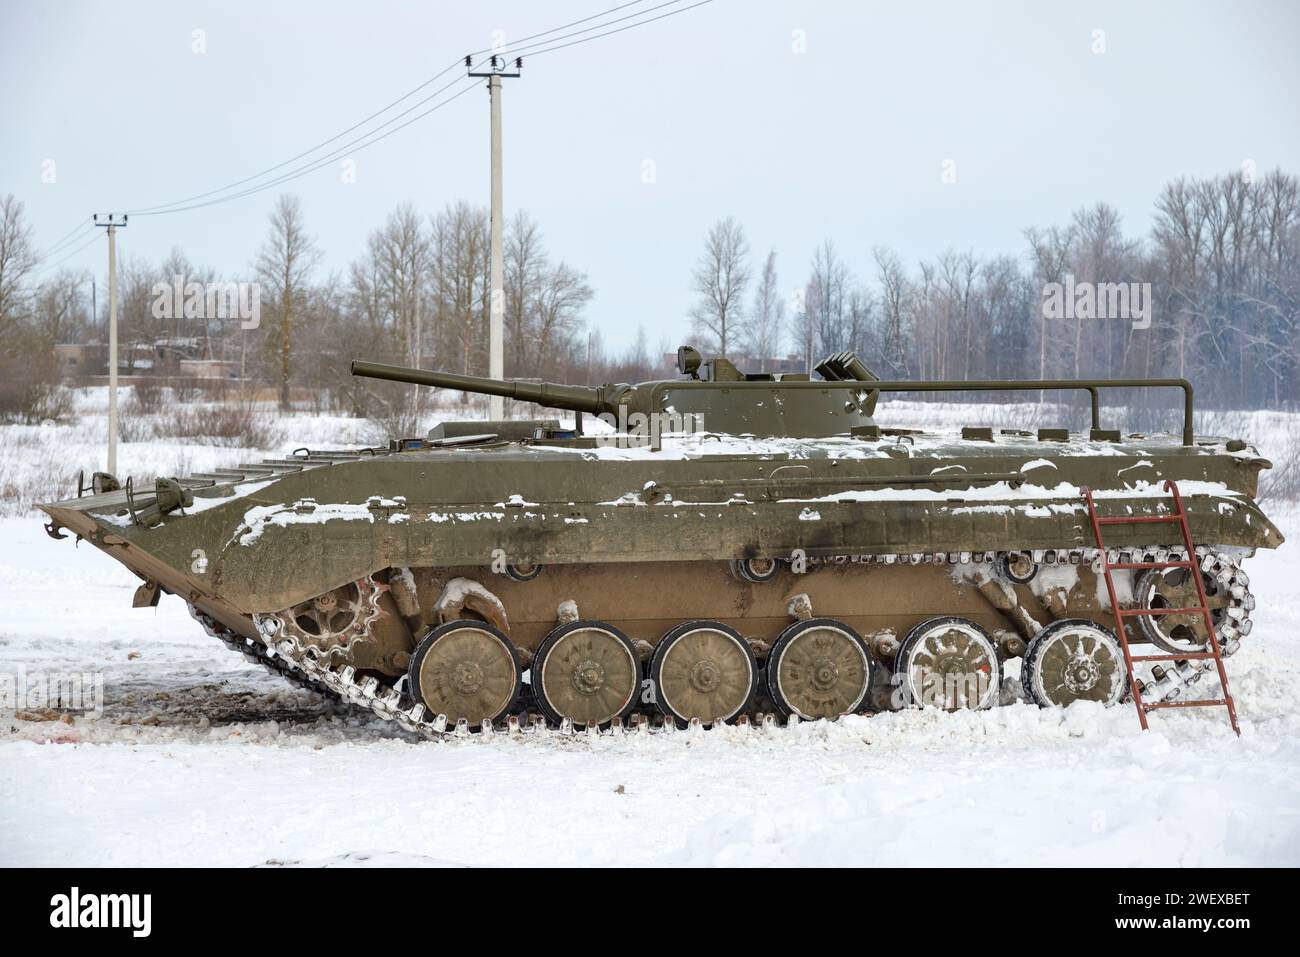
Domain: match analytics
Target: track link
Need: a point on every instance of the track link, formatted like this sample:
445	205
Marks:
260	654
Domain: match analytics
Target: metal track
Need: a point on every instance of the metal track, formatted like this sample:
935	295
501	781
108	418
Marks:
304	668
258	653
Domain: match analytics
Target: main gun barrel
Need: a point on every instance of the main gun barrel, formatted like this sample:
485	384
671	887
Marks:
577	398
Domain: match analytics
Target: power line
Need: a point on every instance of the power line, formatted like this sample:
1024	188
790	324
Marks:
594	16
641	23
43	271
317	164
49	250
513	49
74	252
150	210
326	160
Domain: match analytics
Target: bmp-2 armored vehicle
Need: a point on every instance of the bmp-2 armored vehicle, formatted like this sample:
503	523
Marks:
714	548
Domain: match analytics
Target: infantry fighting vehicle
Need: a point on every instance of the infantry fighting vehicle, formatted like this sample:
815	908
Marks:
711	548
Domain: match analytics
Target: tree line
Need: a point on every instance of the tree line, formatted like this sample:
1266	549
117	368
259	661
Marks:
416	295
1220	264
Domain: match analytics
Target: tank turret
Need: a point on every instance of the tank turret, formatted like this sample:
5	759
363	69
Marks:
712	396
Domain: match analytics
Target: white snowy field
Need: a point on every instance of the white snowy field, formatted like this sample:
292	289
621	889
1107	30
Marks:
200	758
40	462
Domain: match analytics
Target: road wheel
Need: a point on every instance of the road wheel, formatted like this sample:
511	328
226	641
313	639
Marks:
465	669
705	670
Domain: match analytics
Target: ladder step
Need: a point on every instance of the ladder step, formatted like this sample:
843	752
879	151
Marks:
1186	656
1152	565
1207	703
1163	611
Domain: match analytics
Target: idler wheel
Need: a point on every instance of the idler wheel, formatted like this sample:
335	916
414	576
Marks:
948	663
819	668
465	669
705	670
586	671
1175	588
1074	659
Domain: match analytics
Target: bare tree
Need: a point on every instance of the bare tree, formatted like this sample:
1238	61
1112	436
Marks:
826	298
958	271
526	268
137	326
1051	251
764	330
17	259
460	268
1101	254
720	277
860	314
635	364
803	327
895	292
400	257
563	296
187	322
60	313
284	267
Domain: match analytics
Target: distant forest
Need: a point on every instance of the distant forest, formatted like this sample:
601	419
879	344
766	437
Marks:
1221	261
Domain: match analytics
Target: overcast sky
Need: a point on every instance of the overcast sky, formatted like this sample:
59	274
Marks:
842	136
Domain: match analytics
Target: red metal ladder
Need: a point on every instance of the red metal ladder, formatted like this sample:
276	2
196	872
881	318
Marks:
1193	567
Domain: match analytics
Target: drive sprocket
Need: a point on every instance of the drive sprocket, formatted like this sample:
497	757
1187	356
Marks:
326	626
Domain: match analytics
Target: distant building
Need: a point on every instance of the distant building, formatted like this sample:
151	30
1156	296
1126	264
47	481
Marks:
78	359
161	360
209	368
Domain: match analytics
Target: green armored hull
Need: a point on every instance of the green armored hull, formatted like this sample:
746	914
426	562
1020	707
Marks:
702	571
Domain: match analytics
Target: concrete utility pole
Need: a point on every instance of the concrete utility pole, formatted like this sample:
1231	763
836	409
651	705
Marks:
112	223
497	302
419	351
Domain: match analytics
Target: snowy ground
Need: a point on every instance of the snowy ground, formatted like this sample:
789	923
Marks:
200	758
40	462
